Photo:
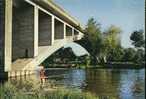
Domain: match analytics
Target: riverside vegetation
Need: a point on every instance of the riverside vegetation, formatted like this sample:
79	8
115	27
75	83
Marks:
30	89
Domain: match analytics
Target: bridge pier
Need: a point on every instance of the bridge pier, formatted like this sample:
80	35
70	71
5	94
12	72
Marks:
5	37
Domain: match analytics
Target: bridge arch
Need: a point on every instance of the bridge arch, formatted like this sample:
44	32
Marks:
46	52
76	51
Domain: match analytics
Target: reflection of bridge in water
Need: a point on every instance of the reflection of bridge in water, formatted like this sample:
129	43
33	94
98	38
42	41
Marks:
30	31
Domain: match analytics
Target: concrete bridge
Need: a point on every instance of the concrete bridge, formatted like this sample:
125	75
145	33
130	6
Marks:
30	31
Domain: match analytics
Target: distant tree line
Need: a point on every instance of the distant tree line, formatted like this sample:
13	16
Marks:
105	46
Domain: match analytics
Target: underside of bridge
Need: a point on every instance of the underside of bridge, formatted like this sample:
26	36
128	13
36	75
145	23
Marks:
45	29
59	30
22	31
30	31
69	31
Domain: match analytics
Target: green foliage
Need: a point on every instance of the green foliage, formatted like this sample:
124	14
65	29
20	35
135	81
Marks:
63	55
93	35
112	38
129	54
116	54
137	38
12	91
106	46
139	56
93	39
87	61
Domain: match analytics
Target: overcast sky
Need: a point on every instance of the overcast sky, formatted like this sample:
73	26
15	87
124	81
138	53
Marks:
127	14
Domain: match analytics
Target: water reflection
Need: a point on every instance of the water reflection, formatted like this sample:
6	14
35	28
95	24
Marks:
122	84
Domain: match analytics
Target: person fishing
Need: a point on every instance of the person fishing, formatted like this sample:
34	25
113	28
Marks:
42	75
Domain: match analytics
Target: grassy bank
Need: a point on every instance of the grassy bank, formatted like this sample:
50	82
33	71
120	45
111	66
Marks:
33	90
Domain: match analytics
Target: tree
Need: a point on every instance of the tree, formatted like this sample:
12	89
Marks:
111	41
116	54
137	38
112	36
93	38
139	56
129	54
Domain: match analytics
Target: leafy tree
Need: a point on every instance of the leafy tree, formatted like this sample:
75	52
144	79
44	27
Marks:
139	56
93	33
111	41
137	38
116	54
112	36
129	54
93	38
99	44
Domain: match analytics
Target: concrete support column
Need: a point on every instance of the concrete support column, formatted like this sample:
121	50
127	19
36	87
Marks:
73	32
35	31
64	31
53	30
8	35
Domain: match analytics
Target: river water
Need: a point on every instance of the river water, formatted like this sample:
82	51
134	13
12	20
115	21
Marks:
119	83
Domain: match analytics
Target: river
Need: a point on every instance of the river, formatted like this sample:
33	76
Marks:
119	83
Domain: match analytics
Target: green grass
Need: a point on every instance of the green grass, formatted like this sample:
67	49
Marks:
33	90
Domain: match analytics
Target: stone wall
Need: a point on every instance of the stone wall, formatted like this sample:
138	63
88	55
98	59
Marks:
45	29
59	30
23	32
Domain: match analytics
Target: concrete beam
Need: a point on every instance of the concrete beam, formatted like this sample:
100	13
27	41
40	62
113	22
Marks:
35	31
47	12
53	30
72	31
64	31
8	35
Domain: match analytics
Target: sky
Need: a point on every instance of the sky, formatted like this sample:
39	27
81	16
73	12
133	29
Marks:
126	14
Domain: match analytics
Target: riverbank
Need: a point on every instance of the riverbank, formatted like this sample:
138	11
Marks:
34	90
111	65
121	65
